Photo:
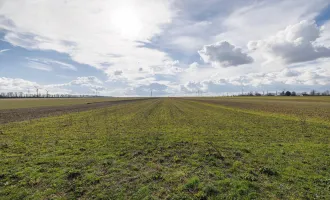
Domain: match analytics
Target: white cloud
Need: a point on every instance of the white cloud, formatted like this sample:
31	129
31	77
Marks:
224	54
55	63
136	74
193	87
39	66
294	44
64	65
91	32
28	87
86	81
4	50
312	75
260	19
193	67
324	38
135	50
187	43
15	84
155	89
73	87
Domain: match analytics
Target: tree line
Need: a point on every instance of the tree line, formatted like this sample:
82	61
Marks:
288	93
27	95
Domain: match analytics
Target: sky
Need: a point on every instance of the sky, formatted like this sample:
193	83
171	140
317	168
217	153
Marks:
169	47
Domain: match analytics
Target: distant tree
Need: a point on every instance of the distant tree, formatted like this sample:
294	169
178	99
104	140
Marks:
287	93
326	93
313	93
282	93
293	93
250	94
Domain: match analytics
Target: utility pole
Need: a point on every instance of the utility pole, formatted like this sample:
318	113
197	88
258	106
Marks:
151	93
47	93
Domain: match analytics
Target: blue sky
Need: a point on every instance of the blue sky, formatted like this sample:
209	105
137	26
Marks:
323	16
175	48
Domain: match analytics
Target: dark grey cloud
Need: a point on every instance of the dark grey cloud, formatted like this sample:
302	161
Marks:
118	72
224	54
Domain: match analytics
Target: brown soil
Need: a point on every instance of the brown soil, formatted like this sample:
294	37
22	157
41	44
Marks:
22	114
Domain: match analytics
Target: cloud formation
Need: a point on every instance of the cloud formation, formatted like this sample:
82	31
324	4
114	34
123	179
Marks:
294	44
48	64
186	46
90	83
39	66
15	84
4	50
224	54
86	81
90	33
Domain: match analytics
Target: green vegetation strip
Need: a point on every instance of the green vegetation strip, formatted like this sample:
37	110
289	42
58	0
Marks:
164	149
298	116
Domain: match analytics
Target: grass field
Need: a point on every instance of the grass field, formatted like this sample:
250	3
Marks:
29	103
170	148
302	108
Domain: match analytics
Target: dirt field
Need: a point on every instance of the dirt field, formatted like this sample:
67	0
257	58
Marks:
22	114
6	104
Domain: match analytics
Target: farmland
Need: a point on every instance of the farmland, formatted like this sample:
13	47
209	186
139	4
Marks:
24	114
172	148
302	108
41	102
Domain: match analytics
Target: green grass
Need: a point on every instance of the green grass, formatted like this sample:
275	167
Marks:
165	149
277	98
29	103
315	108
